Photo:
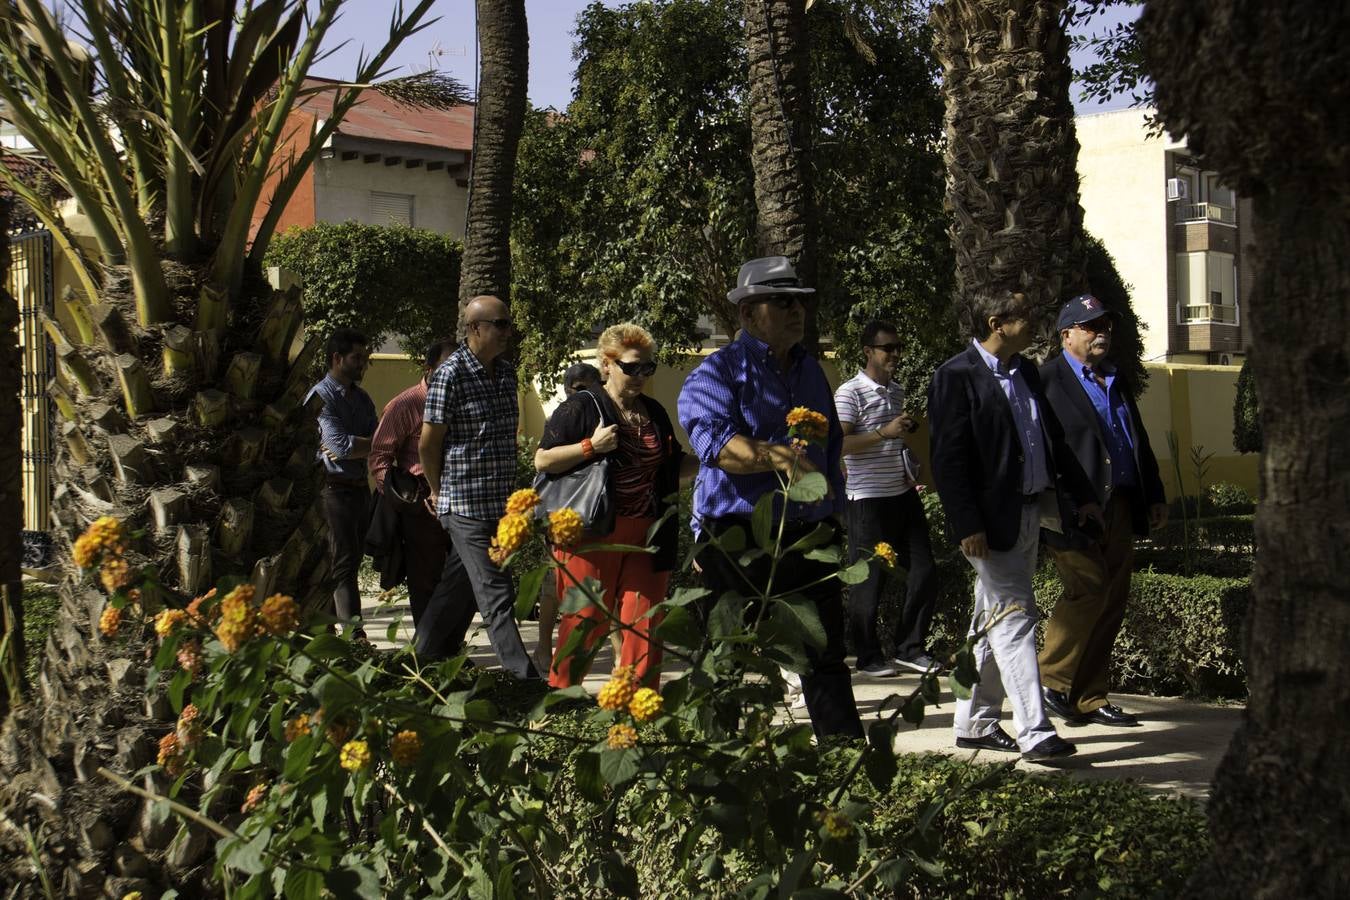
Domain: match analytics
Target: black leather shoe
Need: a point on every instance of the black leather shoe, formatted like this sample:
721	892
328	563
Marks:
1053	747
996	740
1112	715
1058	703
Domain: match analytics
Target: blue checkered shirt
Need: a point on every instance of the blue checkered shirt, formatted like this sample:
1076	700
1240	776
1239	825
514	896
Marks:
479	412
740	390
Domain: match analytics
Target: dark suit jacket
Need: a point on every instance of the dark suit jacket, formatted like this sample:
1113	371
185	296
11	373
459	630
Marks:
1083	433
977	455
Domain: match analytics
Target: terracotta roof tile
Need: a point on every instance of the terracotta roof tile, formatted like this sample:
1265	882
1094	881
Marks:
376	117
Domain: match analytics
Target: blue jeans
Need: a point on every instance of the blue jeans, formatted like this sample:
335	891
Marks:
469	573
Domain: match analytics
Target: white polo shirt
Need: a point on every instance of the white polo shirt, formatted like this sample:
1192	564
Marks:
877	471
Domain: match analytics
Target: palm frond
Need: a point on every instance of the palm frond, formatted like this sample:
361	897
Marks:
425	90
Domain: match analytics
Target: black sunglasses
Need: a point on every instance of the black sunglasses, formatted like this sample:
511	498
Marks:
502	324
886	348
782	301
637	369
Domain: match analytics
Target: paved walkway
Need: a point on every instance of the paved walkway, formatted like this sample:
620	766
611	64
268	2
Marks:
1176	749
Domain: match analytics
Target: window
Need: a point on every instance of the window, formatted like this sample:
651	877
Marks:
1206	287
391	209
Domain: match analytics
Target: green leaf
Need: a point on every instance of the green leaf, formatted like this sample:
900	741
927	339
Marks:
800	616
298	757
880	766
686	595
810	488
792	875
762	520
732	540
250	856
506	888
854	574
527	592
828	554
354	881
303	884
326	646
959	690
727	617
680	628
823	533
336	692
617	767
181	679
588	778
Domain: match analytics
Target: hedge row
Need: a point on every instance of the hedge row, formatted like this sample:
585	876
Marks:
1003	832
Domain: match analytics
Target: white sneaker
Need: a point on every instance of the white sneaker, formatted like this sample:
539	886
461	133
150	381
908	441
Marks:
795	699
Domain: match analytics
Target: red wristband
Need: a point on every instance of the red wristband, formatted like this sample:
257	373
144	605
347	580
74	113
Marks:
587	449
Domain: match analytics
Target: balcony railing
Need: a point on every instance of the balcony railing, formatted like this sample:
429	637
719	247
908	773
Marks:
1206	212
1209	312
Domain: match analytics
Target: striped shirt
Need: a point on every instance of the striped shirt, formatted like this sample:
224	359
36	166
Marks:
876	471
479	412
348	413
395	440
634	477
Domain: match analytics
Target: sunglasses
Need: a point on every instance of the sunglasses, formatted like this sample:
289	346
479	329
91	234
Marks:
637	369
886	348
502	324
781	301
1096	326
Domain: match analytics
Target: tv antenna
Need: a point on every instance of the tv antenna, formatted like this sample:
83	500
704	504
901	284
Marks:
437	51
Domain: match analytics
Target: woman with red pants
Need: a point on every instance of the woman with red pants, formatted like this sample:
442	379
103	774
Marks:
646	467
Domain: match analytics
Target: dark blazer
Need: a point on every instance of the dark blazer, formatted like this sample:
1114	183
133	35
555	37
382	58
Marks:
1083	433
977	455
577	418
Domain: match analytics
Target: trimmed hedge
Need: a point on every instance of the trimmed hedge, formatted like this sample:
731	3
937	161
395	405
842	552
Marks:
1213	534
1006	833
1181	634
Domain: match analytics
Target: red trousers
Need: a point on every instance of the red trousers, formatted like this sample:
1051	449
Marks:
632	587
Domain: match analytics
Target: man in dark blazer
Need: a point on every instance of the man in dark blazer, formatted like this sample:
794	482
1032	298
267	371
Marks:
1002	469
1102	426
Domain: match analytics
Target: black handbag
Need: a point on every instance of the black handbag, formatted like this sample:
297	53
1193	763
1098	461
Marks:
585	489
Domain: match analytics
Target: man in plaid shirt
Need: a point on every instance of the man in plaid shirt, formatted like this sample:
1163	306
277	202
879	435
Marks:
468	453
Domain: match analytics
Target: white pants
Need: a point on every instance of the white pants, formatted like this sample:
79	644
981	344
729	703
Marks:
1006	656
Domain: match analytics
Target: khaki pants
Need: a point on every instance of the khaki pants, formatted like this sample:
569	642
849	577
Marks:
1081	632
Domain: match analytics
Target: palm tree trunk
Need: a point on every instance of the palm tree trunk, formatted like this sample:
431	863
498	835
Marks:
1252	88
11	480
498	122
1011	151
778	51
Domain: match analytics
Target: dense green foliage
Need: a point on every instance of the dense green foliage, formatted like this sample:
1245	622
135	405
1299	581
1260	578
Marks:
637	203
1117	68
41	606
383	280
1246	412
994	831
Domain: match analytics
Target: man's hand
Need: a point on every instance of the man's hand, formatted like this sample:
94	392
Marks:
976	545
1157	516
1094	512
431	502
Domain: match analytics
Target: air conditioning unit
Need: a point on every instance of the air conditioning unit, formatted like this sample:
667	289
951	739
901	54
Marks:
1178	189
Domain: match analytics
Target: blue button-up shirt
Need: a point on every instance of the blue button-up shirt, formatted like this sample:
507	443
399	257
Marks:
1114	415
741	390
348	413
1027	416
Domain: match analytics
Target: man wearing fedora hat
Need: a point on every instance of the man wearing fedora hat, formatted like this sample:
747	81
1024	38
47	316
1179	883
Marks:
1103	429
734	407
402	525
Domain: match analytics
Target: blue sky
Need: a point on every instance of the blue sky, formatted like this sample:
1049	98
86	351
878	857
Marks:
449	46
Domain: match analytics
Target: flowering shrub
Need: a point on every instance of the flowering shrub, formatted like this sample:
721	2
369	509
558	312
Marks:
364	773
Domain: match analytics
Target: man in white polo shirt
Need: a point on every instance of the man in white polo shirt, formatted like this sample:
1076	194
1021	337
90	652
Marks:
883	506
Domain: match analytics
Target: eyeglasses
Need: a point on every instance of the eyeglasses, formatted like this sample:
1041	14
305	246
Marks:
1096	326
502	324
637	369
780	301
886	348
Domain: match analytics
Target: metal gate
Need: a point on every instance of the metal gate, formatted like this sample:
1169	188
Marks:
30	282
